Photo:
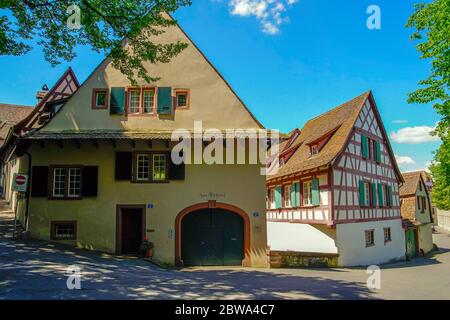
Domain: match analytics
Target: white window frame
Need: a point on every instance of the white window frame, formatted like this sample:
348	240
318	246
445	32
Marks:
307	193
132	92
157	164
141	164
273	203
62	173
70	194
97	93
287	196
150	101
367	193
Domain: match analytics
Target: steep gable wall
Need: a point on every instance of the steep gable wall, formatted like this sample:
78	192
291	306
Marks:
351	168
211	99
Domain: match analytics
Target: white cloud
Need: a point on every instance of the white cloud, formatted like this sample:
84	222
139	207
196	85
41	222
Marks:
400	121
401	160
414	135
268	12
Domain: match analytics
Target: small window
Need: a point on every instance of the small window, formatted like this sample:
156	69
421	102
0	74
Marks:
419	203
307	194
182	99
74	190
133	101
273	204
287	196
148	101
159	166
59	182
143	167
370	238
387	235
63	230
100	99
367	194
314	150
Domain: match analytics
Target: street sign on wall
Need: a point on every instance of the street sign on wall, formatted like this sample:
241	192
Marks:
20	182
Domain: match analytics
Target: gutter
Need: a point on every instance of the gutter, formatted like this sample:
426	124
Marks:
27	193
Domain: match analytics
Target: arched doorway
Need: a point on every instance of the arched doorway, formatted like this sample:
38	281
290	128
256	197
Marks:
212	233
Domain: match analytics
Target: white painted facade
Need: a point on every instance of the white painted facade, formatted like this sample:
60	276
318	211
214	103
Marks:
299	237
353	251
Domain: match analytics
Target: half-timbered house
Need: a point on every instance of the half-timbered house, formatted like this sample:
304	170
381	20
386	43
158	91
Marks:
335	197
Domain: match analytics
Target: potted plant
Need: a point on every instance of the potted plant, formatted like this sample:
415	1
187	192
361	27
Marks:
146	248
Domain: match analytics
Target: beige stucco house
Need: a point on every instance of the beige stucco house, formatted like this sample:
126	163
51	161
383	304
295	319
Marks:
416	213
103	177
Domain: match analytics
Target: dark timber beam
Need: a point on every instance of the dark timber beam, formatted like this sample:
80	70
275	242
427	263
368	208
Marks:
114	143
78	143
96	143
60	143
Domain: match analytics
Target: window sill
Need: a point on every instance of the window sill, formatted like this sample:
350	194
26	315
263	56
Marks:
370	245
387	242
150	181
65	198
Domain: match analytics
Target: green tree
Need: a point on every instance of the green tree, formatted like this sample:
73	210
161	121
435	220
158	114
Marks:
432	23
441	175
103	25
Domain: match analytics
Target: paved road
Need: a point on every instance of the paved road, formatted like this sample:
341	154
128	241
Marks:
37	270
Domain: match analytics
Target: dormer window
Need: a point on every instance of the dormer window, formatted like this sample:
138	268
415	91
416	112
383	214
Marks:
100	99
314	149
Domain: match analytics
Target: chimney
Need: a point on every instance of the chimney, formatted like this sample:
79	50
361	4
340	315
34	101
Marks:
42	93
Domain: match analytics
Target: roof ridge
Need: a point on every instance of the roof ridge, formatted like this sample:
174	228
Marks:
366	93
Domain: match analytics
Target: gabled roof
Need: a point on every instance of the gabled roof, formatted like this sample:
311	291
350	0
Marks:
66	85
10	115
342	117
409	187
335	125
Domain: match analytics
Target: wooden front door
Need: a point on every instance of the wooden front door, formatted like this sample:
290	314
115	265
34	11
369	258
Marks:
410	243
212	237
131	233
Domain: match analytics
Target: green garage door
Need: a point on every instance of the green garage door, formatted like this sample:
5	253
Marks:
212	237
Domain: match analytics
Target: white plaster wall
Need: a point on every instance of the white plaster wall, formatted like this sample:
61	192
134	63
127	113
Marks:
443	219
285	236
352	245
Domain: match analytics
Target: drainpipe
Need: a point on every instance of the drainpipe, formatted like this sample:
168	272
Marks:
27	193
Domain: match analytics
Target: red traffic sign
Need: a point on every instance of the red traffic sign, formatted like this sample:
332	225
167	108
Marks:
20	180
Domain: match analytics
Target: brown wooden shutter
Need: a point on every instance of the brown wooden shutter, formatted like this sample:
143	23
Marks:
89	181
39	181
124	163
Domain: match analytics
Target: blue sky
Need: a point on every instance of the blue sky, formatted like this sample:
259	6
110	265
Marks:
289	61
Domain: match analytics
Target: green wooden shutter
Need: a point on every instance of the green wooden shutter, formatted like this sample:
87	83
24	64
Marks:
391	198
374	195
364	146
295	191
165	100
117	100
378	148
278	199
315	192
362	194
380	195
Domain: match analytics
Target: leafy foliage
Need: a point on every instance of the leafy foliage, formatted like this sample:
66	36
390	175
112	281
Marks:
441	174
432	23
105	25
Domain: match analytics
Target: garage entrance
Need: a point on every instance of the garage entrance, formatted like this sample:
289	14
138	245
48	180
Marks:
212	237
